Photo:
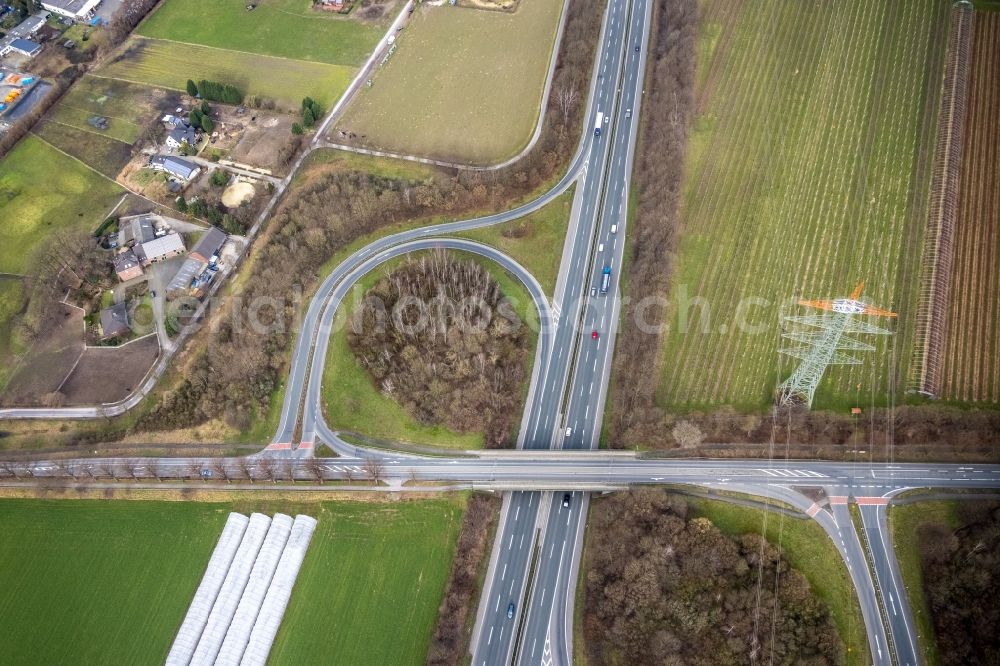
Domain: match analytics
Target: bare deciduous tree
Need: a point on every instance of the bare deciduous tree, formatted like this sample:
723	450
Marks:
63	468
131	467
566	98
246	469
687	434
219	469
268	469
315	469
375	469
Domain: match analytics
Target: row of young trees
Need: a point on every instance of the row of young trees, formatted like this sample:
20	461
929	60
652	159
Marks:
215	470
215	91
665	587
234	376
450	640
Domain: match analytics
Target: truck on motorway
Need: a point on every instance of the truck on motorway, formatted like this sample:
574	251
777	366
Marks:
605	279
597	125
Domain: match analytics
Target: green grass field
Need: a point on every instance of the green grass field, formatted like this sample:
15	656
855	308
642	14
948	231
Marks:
171	64
352	402
904	520
808	549
99	582
463	85
11	302
42	191
807	172
127	106
371	584
91	582
285	28
535	241
103	153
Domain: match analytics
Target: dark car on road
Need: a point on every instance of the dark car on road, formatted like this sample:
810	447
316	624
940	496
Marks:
510	610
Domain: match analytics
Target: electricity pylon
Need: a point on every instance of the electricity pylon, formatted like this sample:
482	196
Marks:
824	346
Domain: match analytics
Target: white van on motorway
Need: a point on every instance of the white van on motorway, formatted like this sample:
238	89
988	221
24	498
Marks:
614	228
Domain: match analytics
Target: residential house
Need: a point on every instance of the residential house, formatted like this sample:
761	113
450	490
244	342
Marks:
208	246
180	135
77	10
175	166
114	321
127	265
22	46
158	249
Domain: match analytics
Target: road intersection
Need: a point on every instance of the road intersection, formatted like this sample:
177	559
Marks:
536	556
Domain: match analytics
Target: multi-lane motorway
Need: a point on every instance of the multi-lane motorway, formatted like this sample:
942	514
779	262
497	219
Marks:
540	534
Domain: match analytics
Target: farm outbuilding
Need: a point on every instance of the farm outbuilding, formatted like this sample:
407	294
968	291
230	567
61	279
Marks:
74	9
159	249
209	245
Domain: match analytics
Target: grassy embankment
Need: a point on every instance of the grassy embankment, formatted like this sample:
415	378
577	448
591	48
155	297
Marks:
904	521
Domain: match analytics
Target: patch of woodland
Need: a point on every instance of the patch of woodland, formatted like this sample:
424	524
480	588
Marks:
438	336
664	587
961	577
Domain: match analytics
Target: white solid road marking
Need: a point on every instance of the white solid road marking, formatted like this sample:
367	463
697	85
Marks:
503	575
